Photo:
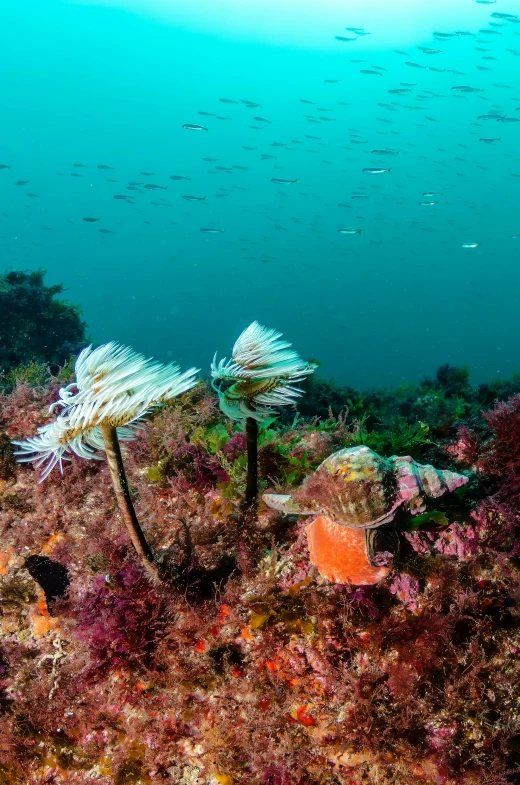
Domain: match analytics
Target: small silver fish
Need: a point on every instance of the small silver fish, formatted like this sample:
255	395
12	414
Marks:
194	127
385	152
280	181
349	231
470	245
194	198
375	170
210	230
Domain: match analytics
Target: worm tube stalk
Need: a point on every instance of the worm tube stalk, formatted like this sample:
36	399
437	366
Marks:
124	501
252	460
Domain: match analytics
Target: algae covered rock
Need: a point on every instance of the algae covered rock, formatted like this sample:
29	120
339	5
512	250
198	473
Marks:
35	325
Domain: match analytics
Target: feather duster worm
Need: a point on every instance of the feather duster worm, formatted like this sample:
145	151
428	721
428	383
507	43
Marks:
260	376
114	389
262	371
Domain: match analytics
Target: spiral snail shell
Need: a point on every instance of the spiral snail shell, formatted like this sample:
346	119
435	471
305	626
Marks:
354	492
356	487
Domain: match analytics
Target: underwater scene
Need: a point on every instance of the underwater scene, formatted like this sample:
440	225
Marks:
260	392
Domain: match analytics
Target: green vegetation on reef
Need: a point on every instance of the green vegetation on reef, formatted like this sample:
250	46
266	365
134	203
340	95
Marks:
37	328
34	374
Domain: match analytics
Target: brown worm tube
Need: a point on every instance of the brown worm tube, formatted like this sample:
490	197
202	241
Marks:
252	460
124	501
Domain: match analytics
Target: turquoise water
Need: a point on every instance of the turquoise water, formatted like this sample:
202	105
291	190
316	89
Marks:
113	84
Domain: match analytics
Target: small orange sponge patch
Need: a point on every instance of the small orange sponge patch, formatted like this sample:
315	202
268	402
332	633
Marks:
340	553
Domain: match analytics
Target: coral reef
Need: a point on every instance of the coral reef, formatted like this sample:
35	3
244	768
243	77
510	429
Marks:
246	667
36	328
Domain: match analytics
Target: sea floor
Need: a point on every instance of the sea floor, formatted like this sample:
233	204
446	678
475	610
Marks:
245	666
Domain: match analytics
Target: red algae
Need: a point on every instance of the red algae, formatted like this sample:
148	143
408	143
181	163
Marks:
246	666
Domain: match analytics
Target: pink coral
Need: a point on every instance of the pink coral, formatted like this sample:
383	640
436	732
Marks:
455	540
406	589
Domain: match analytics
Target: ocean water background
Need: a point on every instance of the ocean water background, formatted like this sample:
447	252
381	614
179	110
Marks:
112	84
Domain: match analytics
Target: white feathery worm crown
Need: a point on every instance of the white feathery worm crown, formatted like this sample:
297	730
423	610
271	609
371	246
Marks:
115	386
262	370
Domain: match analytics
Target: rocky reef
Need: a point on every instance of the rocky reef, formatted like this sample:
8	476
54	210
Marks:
246	666
37	329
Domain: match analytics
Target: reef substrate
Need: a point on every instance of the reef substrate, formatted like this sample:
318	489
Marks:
245	666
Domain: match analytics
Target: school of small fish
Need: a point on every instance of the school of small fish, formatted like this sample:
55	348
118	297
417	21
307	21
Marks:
371	161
